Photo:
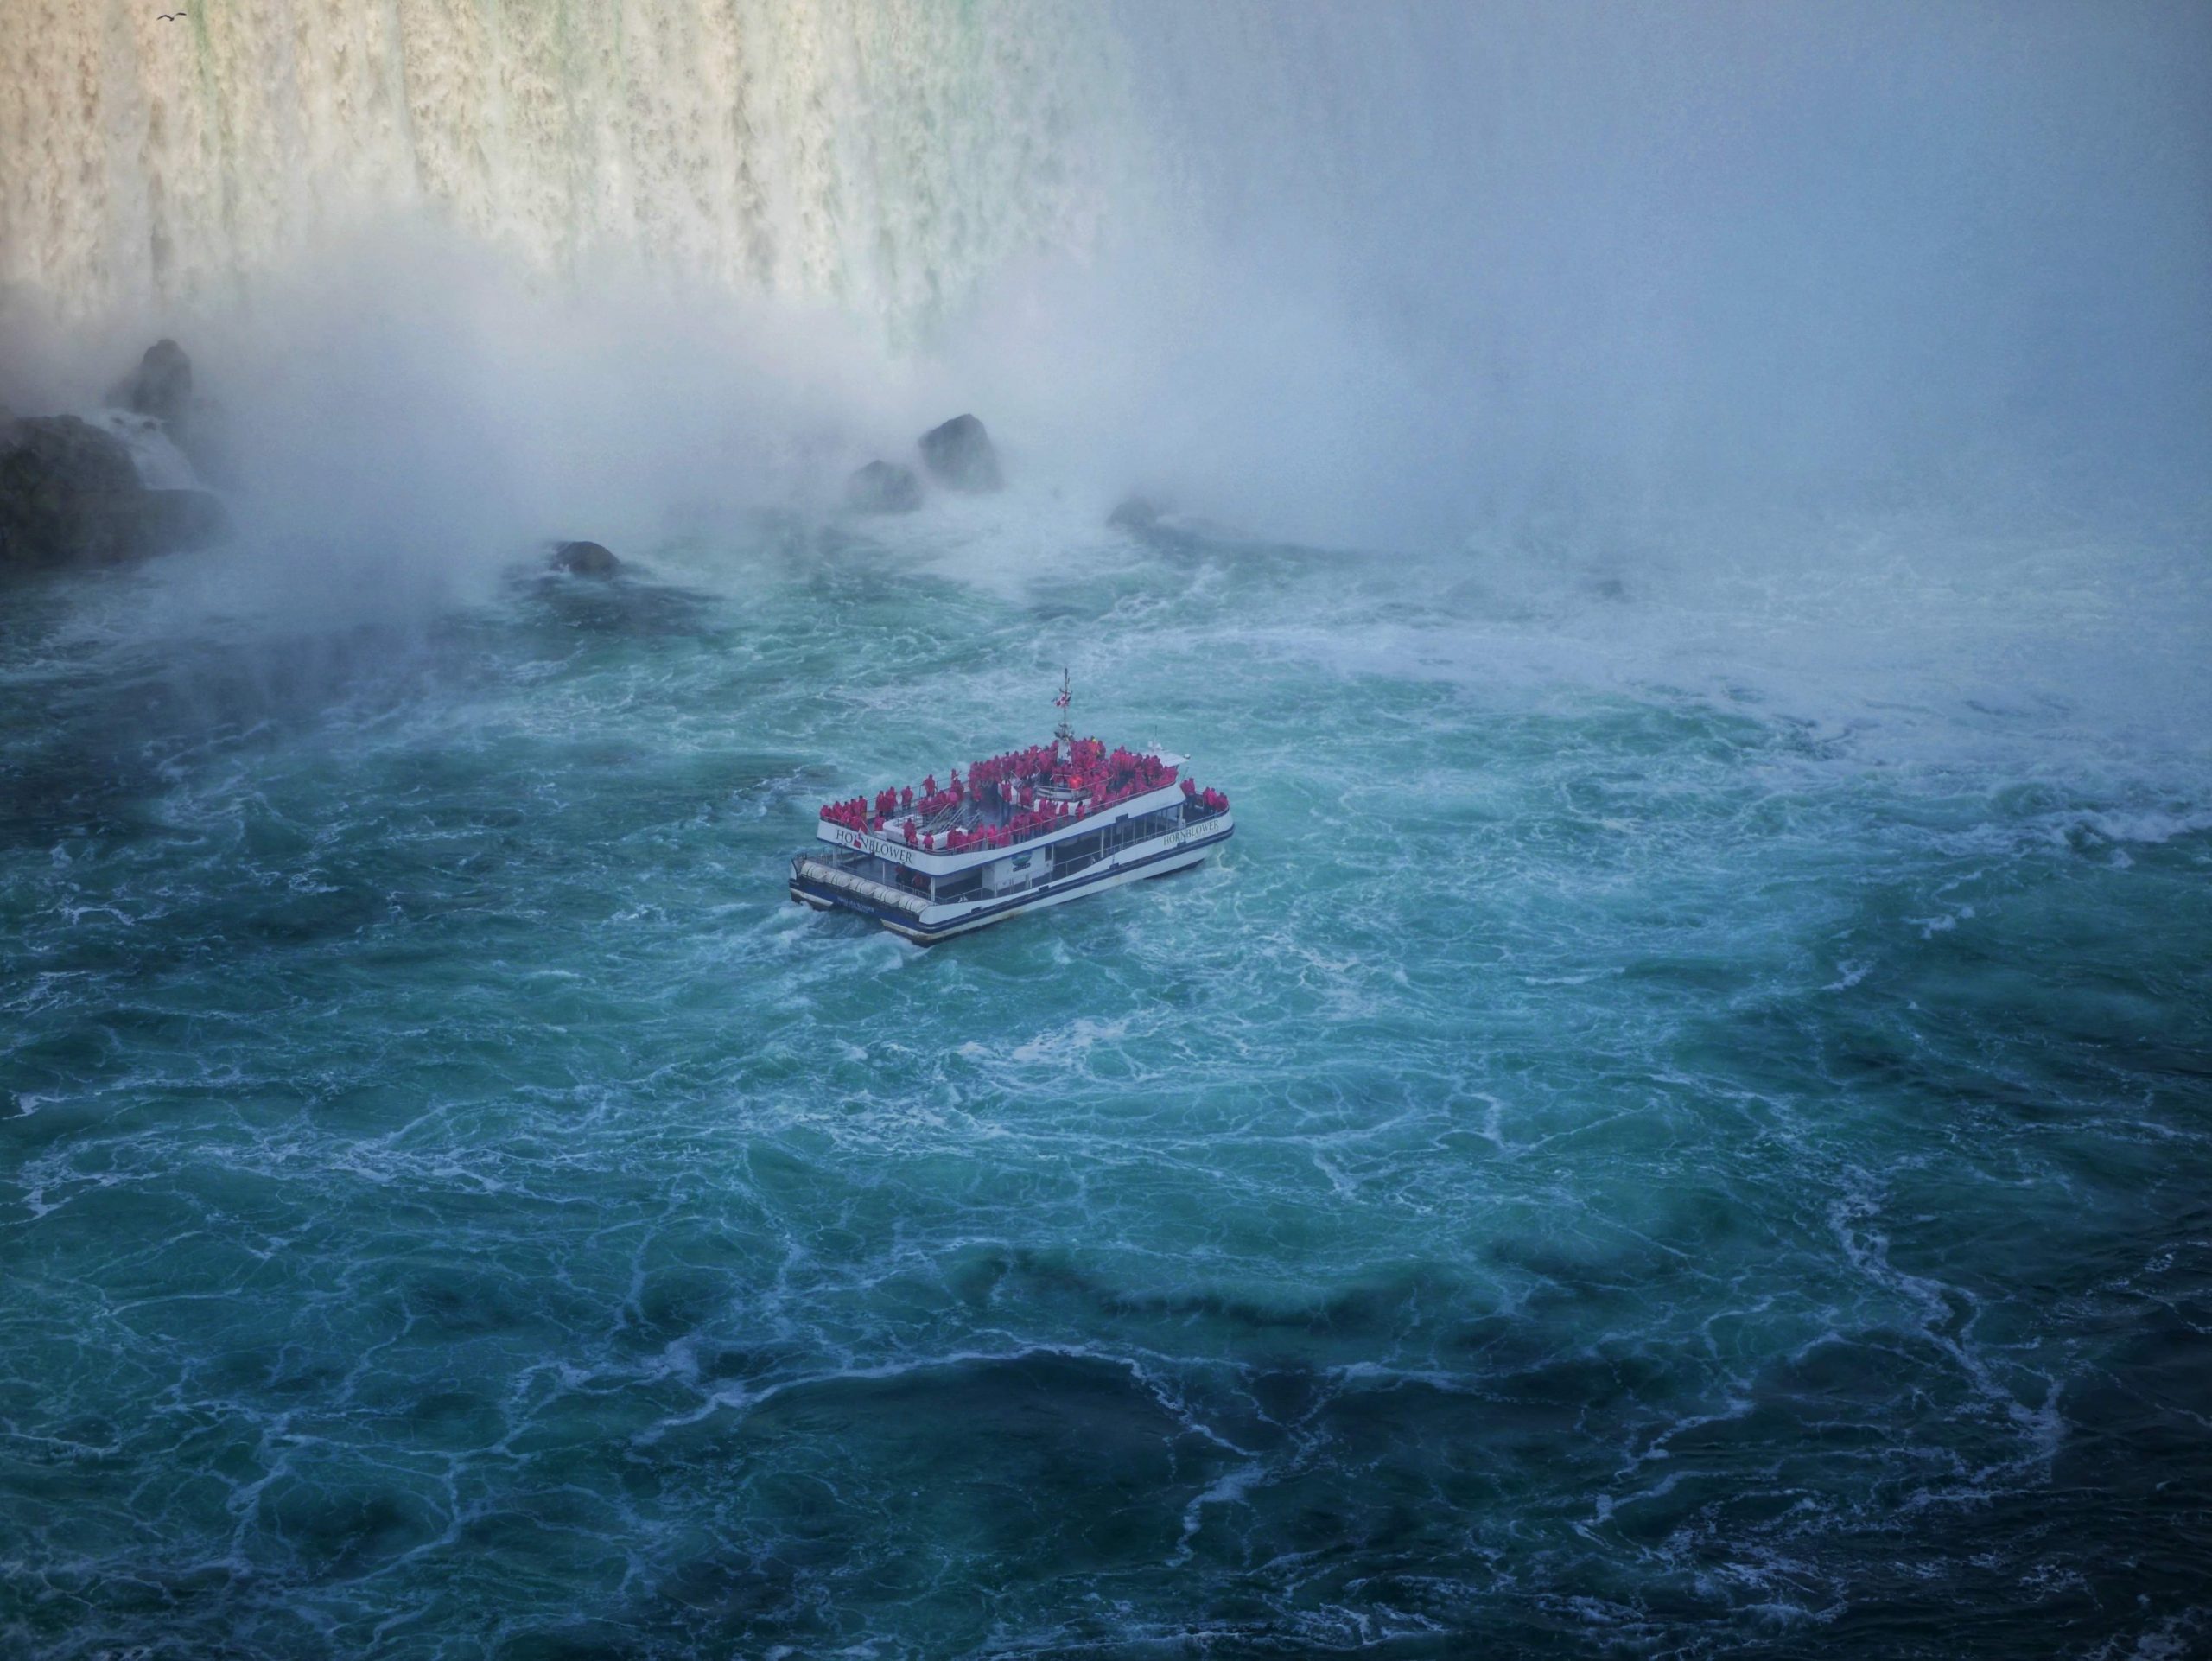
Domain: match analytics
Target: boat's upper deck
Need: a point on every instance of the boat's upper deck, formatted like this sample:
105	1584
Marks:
1020	799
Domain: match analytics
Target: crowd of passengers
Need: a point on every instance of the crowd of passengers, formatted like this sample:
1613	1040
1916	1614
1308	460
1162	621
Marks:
1004	788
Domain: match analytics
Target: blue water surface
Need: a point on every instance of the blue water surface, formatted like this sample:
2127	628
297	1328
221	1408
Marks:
1664	1134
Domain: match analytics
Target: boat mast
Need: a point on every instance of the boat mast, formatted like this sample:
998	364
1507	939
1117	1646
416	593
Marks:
1063	734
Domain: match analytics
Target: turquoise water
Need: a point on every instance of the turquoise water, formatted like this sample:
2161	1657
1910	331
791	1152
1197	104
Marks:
1682	1125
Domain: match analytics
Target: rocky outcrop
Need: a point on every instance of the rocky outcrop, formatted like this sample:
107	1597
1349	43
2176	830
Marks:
883	488
585	559
161	389
959	453
70	496
1135	513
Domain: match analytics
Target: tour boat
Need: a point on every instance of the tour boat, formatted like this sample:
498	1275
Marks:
1021	831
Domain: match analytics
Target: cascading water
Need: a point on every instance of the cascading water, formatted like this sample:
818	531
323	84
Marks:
881	155
1341	268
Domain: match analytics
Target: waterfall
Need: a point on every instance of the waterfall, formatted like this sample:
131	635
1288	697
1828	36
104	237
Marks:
880	156
1426	261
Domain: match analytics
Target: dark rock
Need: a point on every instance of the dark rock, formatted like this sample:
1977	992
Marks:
70	496
585	559
883	488
959	453
1137	513
161	387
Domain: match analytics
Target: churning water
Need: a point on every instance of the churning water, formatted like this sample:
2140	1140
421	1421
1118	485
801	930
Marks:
1668	1132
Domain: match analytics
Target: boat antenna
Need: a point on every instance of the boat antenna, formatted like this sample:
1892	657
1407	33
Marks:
1063	734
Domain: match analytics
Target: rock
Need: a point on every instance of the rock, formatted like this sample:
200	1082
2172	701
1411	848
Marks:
1137	513
161	387
585	559
70	496
883	488
959	453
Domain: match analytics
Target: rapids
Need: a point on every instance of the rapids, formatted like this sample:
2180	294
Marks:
1666	1133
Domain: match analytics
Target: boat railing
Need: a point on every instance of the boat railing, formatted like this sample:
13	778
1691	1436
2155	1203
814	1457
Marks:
960	818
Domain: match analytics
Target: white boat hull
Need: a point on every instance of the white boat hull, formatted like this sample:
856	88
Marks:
927	923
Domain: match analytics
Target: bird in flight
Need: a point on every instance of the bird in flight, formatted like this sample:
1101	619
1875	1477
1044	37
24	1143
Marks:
171	16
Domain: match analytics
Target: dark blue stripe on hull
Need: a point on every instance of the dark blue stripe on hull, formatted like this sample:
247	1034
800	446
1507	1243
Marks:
913	930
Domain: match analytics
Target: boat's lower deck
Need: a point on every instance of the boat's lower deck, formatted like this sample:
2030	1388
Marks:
825	883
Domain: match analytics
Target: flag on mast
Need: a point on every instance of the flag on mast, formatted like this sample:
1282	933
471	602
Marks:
1063	734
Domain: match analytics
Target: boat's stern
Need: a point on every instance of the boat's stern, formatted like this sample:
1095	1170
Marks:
826	883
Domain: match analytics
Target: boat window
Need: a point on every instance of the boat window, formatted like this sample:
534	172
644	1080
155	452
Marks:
962	885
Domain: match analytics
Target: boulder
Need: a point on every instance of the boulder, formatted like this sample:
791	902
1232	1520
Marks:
1135	513
585	559
70	496
161	387
883	488
959	453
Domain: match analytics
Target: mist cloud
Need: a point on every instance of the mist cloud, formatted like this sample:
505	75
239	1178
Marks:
1368	276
